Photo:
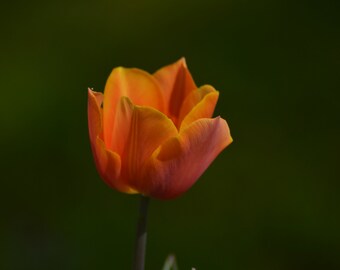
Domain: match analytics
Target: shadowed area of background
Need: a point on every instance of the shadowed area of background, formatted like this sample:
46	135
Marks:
270	201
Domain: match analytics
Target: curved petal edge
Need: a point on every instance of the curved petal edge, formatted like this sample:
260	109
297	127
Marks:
176	165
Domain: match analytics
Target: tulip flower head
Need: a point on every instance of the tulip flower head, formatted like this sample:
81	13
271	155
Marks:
154	133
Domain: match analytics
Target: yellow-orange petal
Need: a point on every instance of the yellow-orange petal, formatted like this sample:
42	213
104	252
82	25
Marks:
108	165
179	162
133	83
107	162
199	103
94	113
176	83
139	131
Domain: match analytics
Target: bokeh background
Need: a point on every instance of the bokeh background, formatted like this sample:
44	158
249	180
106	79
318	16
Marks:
270	201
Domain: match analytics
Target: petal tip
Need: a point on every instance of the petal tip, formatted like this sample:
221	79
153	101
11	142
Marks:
230	139
94	94
90	90
183	62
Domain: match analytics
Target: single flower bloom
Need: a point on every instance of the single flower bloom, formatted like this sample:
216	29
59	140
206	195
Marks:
153	134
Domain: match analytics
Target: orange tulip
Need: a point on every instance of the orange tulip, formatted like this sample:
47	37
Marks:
153	134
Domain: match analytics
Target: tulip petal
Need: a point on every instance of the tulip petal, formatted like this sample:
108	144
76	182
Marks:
108	165
139	131
107	162
94	111
199	103
134	83
176	83
179	162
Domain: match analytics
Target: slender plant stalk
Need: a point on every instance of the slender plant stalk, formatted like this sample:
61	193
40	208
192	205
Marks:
140	248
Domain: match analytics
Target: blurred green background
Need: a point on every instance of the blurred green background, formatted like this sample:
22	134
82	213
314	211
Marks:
269	201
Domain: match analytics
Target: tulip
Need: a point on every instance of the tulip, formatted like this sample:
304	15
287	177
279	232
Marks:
154	134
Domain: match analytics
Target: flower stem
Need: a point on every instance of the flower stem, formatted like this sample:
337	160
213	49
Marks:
140	248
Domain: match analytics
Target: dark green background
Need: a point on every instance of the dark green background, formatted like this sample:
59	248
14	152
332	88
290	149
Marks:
269	201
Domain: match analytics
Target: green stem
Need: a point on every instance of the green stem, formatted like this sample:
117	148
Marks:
140	248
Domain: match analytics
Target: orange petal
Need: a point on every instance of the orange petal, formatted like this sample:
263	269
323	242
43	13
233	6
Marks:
199	103
139	131
107	163
136	84
178	163
176	83
94	112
